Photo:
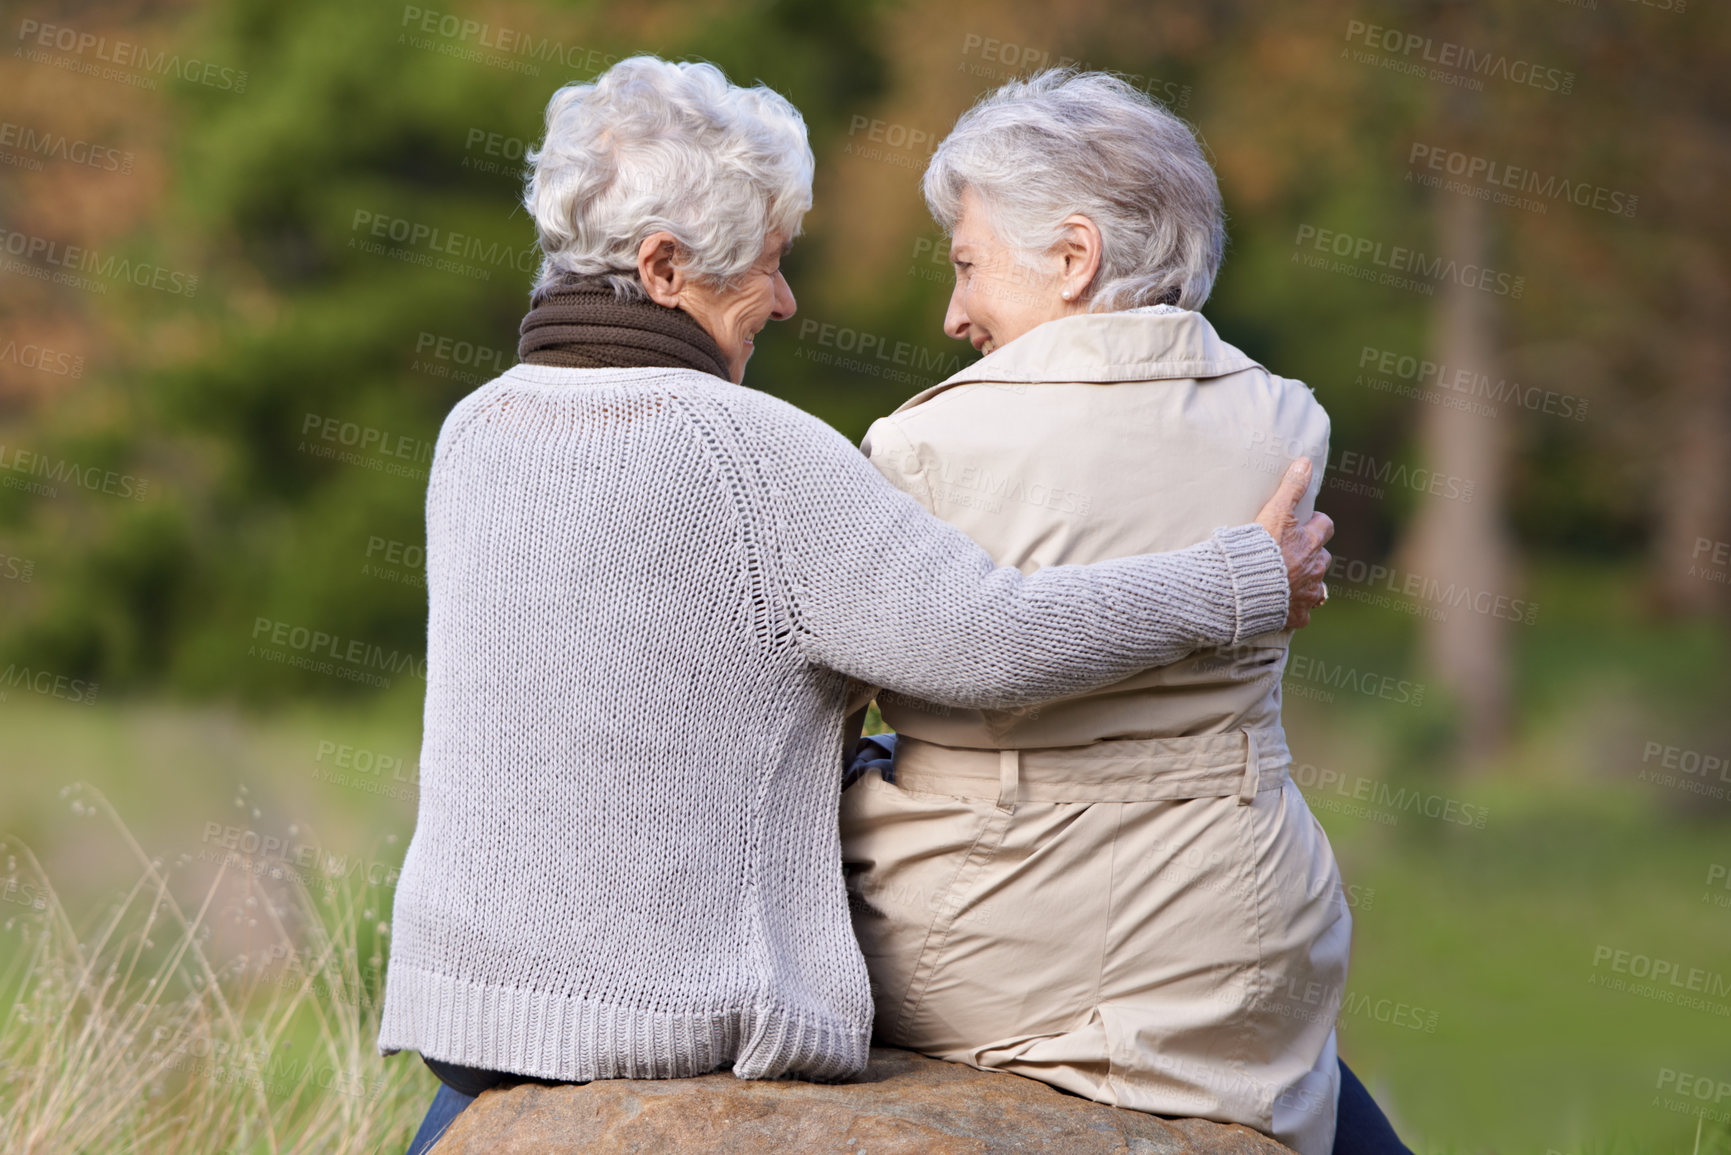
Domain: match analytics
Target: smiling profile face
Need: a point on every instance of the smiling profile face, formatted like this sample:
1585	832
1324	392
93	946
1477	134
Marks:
734	316
997	298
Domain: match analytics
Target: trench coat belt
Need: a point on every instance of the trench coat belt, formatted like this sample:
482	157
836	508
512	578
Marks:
1238	763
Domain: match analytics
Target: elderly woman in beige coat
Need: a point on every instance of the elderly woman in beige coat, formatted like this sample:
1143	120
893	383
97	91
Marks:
1121	893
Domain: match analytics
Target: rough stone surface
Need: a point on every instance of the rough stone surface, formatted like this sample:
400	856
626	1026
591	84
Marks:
906	1105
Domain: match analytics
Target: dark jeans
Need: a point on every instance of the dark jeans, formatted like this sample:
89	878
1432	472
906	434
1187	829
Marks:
458	1087
1360	1127
447	1105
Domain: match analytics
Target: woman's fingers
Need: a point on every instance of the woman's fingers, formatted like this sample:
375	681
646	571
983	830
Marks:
1300	545
1322	526
1281	512
1307	589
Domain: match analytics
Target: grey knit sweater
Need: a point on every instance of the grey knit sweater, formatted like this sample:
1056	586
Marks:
651	593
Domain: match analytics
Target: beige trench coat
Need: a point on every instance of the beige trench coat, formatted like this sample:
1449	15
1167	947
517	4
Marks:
1121	893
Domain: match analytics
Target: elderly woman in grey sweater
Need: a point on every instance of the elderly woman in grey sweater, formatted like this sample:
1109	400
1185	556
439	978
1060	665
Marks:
653	594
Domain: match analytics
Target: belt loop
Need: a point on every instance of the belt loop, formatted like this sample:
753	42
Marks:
1252	769
1009	778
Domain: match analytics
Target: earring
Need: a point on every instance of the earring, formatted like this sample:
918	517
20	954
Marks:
1066	294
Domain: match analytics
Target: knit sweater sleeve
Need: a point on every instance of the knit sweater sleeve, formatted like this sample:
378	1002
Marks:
882	590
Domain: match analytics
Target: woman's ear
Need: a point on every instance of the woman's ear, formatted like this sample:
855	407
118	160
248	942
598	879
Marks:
1079	246
662	279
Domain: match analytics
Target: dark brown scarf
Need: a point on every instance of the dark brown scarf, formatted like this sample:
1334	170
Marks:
577	323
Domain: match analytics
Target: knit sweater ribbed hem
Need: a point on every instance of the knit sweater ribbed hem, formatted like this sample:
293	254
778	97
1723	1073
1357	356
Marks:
566	1039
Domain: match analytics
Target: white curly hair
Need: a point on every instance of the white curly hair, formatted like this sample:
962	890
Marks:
653	145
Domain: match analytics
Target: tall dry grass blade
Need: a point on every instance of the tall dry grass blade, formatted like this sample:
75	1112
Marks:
113	1043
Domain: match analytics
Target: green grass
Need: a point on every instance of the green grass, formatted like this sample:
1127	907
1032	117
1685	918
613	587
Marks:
1496	931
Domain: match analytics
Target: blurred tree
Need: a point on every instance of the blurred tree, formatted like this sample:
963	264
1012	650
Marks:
1462	544
289	425
360	117
1325	134
1687	274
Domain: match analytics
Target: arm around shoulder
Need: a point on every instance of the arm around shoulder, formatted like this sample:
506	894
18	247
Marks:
881	589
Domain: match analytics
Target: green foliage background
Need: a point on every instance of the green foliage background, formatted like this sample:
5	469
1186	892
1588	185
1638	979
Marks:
344	115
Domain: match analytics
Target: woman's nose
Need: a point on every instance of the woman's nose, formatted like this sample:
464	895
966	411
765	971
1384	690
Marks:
956	316
785	305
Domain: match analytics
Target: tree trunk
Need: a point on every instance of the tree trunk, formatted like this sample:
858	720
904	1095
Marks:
1458	543
1693	526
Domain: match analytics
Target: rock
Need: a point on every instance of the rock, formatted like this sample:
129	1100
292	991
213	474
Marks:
906	1104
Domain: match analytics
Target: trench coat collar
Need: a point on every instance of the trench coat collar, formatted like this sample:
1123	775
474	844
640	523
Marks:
1153	344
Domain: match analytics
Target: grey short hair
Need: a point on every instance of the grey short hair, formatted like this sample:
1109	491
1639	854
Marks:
652	145
1066	141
